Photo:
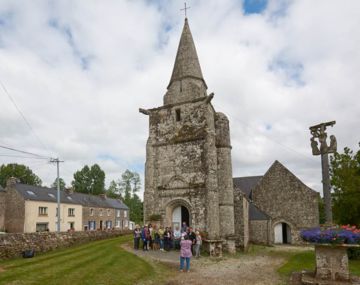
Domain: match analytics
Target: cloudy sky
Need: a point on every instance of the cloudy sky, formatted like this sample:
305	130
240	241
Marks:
79	71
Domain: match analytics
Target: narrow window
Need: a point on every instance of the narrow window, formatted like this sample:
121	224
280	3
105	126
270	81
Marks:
43	211
180	85
178	115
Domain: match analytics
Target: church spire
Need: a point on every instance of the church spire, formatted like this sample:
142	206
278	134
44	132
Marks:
187	62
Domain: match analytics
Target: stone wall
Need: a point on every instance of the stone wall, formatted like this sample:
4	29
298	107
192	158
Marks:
15	209
260	232
241	213
282	196
2	210
12	245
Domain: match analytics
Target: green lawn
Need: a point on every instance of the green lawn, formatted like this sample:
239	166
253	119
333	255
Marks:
100	262
306	261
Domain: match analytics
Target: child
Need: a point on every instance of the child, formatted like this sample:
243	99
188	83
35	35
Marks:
185	253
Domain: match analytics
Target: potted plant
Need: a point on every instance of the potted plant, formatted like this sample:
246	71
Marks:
331	245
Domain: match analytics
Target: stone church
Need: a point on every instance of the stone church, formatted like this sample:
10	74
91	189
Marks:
188	169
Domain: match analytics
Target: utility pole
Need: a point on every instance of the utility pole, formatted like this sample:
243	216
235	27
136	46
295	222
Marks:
318	132
57	161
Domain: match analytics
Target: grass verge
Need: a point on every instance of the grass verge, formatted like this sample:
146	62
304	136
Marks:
306	261
100	262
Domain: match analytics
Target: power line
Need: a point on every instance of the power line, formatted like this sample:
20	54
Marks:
26	152
22	115
274	141
20	156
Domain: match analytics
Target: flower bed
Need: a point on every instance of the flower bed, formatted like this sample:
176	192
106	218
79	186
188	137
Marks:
332	235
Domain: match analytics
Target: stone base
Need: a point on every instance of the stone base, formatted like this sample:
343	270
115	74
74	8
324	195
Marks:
309	278
213	247
332	268
229	246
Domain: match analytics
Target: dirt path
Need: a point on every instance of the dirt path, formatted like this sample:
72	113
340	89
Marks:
258	269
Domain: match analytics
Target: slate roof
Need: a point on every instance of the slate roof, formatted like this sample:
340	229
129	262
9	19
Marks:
256	214
37	193
246	184
186	62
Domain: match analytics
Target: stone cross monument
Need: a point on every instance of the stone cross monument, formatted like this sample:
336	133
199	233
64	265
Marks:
318	133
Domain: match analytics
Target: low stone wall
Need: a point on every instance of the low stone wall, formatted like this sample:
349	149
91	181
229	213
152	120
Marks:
12	245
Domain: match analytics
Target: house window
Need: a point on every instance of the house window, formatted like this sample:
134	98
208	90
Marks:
118	213
117	224
92	225
125	214
71	212
43	211
42	227
91	212
108	224
108	212
178	115
101	212
71	226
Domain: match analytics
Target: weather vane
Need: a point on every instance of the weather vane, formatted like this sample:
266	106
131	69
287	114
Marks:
184	9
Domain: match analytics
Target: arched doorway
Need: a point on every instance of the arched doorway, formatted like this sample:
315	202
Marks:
282	233
180	214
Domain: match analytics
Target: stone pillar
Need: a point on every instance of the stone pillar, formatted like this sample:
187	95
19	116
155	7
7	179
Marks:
225	182
326	187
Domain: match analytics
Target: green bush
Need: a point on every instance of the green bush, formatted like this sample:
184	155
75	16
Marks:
354	253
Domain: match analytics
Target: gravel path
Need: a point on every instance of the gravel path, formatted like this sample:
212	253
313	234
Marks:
247	269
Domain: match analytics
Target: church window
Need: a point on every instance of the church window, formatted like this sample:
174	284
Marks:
180	85
178	115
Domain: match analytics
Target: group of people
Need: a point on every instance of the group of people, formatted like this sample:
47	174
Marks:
185	239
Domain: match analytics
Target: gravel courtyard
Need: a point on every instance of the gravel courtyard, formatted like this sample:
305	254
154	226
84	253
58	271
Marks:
254	268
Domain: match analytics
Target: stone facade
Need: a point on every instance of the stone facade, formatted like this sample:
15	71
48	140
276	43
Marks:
12	245
188	159
260	232
288	201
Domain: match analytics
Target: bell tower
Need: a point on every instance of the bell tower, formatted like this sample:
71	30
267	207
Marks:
188	155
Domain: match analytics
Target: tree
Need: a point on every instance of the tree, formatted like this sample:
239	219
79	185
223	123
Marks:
345	179
62	184
129	185
20	171
89	180
113	191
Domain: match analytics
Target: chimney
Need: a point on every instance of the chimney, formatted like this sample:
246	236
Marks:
102	196
11	181
69	191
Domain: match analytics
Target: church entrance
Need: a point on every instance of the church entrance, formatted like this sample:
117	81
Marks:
180	214
282	233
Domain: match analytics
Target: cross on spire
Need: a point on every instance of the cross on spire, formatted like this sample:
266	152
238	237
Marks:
185	8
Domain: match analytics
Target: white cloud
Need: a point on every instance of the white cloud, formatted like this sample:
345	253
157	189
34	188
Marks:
80	70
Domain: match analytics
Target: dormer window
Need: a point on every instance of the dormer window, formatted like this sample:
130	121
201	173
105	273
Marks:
178	115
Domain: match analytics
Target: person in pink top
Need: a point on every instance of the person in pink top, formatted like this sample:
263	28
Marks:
185	253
